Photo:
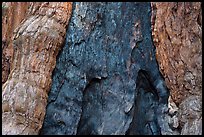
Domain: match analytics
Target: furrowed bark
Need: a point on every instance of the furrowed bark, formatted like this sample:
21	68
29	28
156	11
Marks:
177	35
36	43
12	15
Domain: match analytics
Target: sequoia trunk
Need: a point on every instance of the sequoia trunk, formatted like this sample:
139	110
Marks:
36	43
106	79
177	35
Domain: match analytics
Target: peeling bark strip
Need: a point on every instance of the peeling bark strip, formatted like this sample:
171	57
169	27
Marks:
12	15
36	43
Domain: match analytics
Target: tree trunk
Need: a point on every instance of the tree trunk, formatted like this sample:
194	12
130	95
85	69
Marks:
177	35
96	82
12	15
36	43
106	79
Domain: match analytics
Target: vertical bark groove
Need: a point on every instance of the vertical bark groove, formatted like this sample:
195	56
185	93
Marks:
12	15
36	43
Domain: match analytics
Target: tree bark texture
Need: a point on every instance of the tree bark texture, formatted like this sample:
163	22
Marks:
106	79
96	83
12	15
177	35
36	43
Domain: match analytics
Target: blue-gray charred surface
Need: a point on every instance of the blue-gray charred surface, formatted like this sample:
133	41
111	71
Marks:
106	79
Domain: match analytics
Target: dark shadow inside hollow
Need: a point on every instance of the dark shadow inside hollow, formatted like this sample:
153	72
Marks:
146	102
91	99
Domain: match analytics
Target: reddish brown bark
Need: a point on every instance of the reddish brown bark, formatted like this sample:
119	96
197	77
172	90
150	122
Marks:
36	43
177	35
12	15
30	54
